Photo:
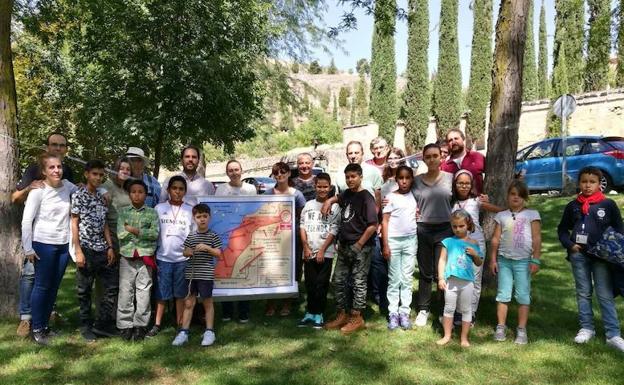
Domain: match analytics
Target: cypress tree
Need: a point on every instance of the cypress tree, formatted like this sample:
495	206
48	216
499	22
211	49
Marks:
569	21
447	86
383	69
416	97
598	45
335	109
361	105
542	66
529	72
480	85
332	70
620	44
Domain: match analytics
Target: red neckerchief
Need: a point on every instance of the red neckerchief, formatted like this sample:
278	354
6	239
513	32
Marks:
585	201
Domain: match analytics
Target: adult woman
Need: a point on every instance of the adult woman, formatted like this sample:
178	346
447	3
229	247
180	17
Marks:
433	191
281	173
119	197
234	187
392	163
45	239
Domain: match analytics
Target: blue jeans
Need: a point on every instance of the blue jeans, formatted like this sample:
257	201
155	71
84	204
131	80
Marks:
26	283
49	271
592	273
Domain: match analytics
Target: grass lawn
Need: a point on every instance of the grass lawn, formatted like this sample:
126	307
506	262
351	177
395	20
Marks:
274	351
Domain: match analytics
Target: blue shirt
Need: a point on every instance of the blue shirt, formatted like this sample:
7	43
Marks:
153	190
458	263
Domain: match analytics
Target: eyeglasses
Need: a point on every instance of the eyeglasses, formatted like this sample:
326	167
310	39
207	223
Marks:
280	172
59	145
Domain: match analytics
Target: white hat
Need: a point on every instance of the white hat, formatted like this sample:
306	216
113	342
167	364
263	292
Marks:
135	152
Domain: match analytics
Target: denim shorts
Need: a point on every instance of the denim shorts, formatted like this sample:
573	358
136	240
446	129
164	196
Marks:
200	287
171	283
514	274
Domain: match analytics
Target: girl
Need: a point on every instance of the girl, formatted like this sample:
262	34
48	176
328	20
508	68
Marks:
456	274
583	222
398	229
45	238
514	257
464	199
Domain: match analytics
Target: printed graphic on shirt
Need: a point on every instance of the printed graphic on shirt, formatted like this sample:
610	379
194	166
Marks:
92	210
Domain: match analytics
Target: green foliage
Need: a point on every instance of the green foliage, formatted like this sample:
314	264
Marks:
352	112
542	60
569	23
294	68
362	65
335	109
325	96
480	85
361	101
383	107
343	96
315	68
447	86
319	127
417	96
332	70
529	71
598	45
620	47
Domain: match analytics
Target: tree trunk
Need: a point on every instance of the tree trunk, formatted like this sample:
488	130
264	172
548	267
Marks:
505	102
10	250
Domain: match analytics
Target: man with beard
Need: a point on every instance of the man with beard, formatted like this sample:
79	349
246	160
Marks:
461	158
196	185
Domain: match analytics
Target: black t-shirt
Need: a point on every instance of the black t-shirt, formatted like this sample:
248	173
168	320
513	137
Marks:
33	173
358	212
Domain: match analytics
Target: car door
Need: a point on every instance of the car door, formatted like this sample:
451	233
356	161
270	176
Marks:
542	164
575	160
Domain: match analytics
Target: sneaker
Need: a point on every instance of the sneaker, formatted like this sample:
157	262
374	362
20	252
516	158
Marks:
181	338
307	320
87	334
226	318
521	337
126	334
318	321
584	335
23	329
40	337
500	333
51	333
243	320
153	332
138	334
422	318
404	321
209	338
616	342
393	323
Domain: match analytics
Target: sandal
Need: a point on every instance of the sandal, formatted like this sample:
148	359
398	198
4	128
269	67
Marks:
269	311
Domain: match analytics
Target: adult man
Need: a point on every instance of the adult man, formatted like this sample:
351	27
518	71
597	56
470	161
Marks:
371	177
304	182
196	185
137	166
379	148
461	158
56	144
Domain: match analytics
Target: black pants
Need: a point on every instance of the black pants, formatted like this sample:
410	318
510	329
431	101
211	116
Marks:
243	309
96	266
430	237
317	277
378	277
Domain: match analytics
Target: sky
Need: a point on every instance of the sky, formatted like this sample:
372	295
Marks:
357	43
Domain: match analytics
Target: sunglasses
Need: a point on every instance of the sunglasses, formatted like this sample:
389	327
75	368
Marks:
280	172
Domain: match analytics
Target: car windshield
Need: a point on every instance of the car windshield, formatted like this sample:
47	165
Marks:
617	143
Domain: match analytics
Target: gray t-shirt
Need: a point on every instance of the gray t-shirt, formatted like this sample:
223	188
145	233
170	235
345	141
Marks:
434	201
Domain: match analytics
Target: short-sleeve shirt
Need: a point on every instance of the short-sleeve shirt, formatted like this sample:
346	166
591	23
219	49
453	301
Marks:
175	223
91	208
33	173
516	237
473	207
371	179
402	210
306	186
196	186
358	212
202	264
458	263
318	226
226	189
434	200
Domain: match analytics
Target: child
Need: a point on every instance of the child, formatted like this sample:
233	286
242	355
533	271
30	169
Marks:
463	198
317	236
459	255
95	258
175	218
514	257
137	231
398	231
583	222
356	241
201	247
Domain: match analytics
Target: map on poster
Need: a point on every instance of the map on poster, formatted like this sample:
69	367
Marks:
257	233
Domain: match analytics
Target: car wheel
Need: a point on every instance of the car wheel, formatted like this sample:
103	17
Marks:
606	184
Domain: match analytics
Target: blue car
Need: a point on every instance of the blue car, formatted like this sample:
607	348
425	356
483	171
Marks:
540	163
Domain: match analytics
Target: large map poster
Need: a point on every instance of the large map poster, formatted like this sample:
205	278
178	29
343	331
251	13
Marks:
258	239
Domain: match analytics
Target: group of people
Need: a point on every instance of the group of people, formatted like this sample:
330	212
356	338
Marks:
371	224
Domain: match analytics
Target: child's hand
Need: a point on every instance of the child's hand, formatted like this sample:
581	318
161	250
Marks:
384	202
132	230
80	259
442	284
320	256
534	268
326	208
484	198
494	267
576	248
472	252
386	252
202	247
110	256
307	253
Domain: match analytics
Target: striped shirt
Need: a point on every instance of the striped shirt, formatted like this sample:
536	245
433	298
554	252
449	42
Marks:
202	264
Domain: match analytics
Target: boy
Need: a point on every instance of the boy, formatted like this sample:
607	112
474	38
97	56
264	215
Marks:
202	248
95	258
137	231
356	241
317	236
175	219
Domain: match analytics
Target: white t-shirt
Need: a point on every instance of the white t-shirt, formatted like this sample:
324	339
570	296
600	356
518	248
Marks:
389	186
46	216
197	186
176	223
473	207
516	238
318	226
402	209
227	189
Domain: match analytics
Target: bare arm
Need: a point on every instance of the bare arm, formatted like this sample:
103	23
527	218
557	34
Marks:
307	252
536	234
19	196
370	230
384	236
491	207
494	243
441	268
188	252
328	204
80	258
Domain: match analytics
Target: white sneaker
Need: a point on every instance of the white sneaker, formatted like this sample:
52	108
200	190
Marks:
422	318
616	342
584	335
181	338
209	338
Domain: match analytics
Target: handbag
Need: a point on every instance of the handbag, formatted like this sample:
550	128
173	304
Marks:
610	247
